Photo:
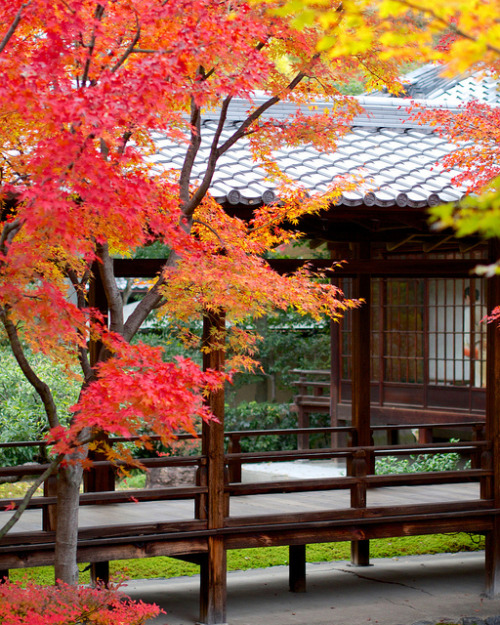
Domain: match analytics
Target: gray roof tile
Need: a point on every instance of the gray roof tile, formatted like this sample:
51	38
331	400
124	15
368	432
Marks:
397	157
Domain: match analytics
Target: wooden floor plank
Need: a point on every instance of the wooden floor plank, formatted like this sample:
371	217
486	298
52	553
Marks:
255	505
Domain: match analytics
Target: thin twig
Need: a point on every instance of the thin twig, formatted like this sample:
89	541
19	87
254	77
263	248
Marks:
13	26
130	48
99	12
208	227
450	25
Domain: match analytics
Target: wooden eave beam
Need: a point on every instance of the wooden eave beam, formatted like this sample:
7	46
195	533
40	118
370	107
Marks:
379	268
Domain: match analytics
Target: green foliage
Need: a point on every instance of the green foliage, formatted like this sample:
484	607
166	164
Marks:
475	214
22	415
156	249
270	416
421	463
289	341
170	338
262	416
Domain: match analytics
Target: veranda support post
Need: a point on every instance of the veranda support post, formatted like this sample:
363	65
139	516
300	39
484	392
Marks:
493	427
361	333
213	569
98	479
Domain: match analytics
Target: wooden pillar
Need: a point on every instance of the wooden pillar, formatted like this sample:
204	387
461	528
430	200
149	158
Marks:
493	427
361	376
49	513
213	569
336	440
102	478
297	568
334	380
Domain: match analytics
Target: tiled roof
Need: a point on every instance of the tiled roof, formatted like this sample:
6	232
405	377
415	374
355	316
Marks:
396	158
428	83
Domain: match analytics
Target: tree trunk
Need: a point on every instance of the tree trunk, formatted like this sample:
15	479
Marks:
69	479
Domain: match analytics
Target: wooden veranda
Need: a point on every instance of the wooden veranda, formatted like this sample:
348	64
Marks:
220	512
412	357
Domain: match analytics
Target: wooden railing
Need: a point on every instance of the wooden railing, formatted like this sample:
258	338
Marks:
359	462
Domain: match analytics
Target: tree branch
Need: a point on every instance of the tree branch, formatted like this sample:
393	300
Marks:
113	296
453	27
125	139
217	151
9	231
208	227
13	26
130	48
192	151
154	298
199	194
40	387
149	302
259	112
99	12
83	352
127	291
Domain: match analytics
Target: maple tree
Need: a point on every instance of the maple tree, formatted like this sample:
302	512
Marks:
86	86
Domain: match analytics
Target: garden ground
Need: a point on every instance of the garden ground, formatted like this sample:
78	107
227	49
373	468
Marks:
440	587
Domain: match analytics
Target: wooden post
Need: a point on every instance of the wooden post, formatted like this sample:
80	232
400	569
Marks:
297	568
102	478
334	380
361	377
213	569
360	549
302	414
477	435
49	513
234	447
493	426
424	436
200	502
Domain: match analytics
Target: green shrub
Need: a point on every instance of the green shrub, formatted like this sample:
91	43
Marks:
22	415
421	463
262	416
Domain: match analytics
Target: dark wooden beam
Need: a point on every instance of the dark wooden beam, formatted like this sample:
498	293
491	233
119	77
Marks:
377	268
492	550
98	478
361	376
213	568
297	568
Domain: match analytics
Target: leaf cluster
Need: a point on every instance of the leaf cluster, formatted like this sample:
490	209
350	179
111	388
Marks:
29	604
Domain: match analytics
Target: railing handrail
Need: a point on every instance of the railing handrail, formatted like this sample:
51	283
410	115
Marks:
263	432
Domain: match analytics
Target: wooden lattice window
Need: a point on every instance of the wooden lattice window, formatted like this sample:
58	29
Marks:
424	331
